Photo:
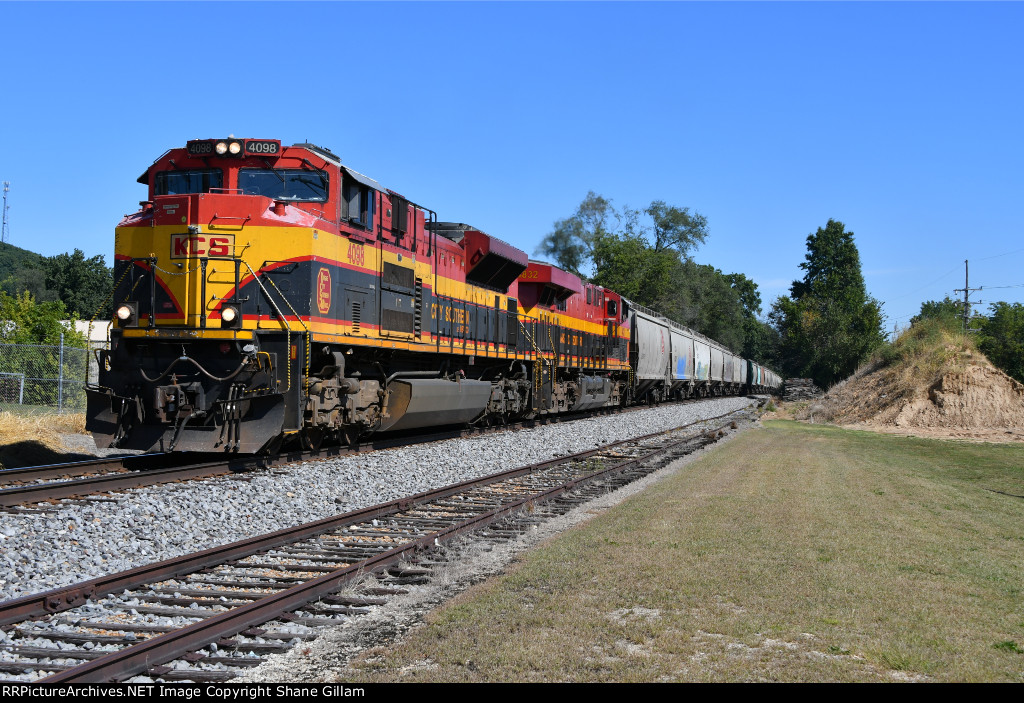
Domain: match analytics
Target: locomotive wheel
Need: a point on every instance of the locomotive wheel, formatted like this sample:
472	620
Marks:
273	446
311	438
350	435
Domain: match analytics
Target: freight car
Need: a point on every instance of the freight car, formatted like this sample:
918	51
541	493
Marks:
267	293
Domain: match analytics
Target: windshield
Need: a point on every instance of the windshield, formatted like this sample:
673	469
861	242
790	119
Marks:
284	183
195	181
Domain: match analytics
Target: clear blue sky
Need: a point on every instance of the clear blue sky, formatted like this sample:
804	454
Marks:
904	121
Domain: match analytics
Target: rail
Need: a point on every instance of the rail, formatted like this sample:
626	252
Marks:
291	574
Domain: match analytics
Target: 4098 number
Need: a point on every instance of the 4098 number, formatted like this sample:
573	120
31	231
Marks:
261	147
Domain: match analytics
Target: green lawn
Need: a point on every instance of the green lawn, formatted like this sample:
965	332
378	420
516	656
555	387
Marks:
793	553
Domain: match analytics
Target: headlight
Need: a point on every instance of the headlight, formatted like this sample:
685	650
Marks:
127	314
234	147
229	317
222	148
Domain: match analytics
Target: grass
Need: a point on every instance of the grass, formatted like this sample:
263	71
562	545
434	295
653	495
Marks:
793	553
28	434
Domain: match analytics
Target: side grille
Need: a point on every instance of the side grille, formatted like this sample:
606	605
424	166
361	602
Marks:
397	321
418	324
357	317
397	276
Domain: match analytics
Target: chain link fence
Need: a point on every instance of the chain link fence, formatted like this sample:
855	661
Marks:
42	378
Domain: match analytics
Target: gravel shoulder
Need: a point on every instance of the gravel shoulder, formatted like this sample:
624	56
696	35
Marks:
328	658
80	540
795	552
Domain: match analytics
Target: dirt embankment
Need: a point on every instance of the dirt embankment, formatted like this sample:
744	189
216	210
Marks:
932	384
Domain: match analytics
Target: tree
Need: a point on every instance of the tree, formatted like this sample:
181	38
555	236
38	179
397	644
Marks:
760	339
30	279
31	373
574	241
715	307
628	266
84	285
828	324
762	343
949	312
1002	338
571	243
675	228
24	321
645	255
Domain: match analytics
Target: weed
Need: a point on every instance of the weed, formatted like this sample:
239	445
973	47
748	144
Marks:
1008	646
895	660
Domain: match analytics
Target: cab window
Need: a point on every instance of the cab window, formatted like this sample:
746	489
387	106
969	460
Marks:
296	184
357	203
201	180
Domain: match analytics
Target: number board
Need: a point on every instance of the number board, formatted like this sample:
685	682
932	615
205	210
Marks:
199	148
262	147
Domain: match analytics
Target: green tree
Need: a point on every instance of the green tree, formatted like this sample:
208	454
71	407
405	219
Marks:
84	285
949	312
828	324
29	279
1002	338
579	243
24	321
631	268
675	228
762	343
23	270
746	290
760	339
646	255
571	242
703	299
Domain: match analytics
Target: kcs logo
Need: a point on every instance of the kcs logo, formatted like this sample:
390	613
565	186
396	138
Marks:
184	246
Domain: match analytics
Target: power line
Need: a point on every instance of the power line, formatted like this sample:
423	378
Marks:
996	256
905	295
1016	285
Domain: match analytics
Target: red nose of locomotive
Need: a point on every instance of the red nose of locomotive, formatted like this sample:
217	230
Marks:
209	294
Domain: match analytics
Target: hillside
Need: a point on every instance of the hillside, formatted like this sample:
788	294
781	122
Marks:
932	381
14	258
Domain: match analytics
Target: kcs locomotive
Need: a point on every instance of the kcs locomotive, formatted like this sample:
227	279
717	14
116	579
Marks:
267	293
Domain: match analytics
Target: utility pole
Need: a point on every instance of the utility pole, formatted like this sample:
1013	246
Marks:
967	290
4	233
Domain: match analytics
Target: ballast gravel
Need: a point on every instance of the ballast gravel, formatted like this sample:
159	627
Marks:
80	540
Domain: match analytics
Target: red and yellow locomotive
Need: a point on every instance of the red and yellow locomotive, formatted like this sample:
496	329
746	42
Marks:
266	292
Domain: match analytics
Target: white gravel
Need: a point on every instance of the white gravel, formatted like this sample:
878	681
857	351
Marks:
78	540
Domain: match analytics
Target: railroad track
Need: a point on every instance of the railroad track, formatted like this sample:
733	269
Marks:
32	484
209	615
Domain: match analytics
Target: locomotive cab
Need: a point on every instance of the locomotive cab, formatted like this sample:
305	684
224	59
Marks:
199	350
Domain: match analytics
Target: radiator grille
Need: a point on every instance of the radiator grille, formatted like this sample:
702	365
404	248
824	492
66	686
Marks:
397	276
419	307
397	321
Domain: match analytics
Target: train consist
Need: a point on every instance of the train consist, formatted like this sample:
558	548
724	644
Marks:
267	293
